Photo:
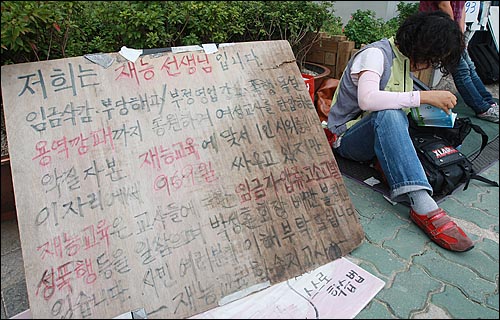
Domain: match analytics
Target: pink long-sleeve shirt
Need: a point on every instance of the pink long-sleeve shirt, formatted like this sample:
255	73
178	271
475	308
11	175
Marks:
366	71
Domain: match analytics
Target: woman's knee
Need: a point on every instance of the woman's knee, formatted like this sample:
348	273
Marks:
391	117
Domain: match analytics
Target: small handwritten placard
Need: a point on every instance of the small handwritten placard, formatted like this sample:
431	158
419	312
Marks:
337	290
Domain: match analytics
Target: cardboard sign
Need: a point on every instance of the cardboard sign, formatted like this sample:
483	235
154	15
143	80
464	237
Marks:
170	182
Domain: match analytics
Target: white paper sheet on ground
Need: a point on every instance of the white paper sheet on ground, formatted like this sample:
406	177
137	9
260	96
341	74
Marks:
371	181
337	290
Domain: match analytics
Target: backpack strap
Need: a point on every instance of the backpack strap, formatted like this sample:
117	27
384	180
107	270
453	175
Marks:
483	179
484	138
471	175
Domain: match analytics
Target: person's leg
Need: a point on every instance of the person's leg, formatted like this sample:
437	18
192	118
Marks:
470	86
384	134
478	83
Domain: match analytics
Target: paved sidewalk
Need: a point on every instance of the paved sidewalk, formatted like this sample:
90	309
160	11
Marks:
423	281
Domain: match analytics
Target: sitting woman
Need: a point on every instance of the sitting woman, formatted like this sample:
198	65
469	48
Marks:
369	110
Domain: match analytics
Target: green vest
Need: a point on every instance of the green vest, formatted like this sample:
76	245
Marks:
345	111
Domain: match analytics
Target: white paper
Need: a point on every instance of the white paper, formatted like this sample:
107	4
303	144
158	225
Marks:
186	49
371	181
130	54
209	48
337	290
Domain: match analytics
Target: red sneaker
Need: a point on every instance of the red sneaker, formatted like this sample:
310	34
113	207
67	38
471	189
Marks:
442	230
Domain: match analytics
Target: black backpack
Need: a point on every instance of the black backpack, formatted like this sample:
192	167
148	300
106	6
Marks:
446	167
483	53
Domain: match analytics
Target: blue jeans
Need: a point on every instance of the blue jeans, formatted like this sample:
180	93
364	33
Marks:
384	134
470	86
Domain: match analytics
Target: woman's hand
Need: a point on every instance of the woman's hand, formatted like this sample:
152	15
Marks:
443	100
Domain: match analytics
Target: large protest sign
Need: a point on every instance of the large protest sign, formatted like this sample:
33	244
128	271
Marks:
170	183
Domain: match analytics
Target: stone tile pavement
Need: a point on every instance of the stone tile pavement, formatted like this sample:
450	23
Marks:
423	281
13	286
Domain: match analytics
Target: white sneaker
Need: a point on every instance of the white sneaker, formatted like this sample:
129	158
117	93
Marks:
491	114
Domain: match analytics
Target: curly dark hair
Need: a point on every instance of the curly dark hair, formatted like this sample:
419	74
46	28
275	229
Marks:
431	38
